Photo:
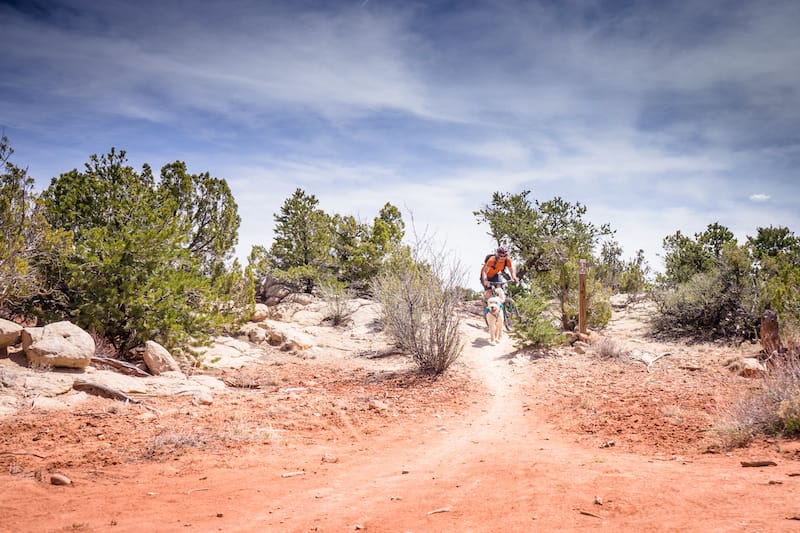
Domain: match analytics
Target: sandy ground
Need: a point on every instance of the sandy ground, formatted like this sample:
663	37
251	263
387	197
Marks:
505	441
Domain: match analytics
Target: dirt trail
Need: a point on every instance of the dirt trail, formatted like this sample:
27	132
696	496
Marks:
496	466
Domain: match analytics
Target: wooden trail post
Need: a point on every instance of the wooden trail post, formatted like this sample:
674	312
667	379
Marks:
582	298
770	335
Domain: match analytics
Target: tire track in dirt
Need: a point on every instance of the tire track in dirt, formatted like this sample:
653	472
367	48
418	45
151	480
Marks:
495	467
505	470
415	484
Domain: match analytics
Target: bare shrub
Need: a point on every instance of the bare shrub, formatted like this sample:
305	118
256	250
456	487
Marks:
248	377
419	297
102	346
773	409
608	349
336	297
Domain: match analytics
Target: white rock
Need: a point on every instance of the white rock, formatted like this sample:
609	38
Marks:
261	312
62	344
10	332
158	359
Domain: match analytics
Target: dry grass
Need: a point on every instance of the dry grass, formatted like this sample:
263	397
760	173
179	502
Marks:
608	349
772	409
337	299
242	428
174	442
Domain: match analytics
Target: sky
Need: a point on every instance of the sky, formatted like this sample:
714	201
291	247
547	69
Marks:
658	116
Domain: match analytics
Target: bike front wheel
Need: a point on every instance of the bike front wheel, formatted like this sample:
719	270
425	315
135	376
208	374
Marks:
510	314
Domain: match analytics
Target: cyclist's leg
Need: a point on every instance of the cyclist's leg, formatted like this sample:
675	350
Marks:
494	281
488	292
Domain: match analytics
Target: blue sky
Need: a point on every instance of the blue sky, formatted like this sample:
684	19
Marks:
658	116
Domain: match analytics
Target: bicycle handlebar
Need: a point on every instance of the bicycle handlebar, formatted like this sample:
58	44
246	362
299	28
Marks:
504	282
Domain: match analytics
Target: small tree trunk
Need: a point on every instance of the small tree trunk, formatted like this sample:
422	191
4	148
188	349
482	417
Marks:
770	336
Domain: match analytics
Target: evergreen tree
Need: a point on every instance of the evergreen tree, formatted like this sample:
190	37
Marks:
776	253
207	207
27	242
686	257
360	250
301	250
133	274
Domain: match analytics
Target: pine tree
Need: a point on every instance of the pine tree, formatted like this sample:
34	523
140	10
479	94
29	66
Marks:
133	274
301	250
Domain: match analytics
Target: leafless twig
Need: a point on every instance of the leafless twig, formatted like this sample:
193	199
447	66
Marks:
24	453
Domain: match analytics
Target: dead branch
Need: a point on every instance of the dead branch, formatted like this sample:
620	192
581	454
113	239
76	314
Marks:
378	354
102	390
649	363
759	463
124	366
656	358
23	453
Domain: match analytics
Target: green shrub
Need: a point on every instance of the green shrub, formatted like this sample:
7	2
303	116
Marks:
598	305
706	307
534	328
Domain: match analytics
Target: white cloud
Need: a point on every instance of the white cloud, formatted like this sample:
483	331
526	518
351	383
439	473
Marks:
759	197
653	120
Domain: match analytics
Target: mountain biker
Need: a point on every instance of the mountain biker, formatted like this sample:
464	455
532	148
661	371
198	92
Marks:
495	265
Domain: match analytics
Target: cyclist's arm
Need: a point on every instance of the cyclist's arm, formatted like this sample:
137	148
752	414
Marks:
511	271
485	274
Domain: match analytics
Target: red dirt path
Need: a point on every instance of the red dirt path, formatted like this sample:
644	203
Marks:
503	442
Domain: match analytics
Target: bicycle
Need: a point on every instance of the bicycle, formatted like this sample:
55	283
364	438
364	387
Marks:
510	311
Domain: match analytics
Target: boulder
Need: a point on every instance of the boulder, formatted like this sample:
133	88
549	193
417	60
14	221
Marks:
301	298
62	344
308	317
121	382
10	333
286	336
31	335
253	333
158	359
748	367
227	352
261	312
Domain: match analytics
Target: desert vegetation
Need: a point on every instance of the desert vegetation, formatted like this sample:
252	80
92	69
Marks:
133	257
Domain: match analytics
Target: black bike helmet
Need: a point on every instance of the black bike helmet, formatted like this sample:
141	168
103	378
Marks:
502	250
